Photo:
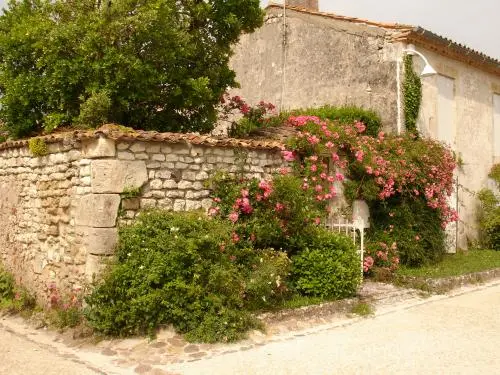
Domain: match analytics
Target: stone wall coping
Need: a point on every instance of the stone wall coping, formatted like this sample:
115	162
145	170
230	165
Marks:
117	133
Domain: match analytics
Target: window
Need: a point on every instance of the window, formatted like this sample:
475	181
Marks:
496	125
446	128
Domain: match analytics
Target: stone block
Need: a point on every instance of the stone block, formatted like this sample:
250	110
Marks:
99	148
138	147
100	241
122	146
97	210
131	204
125	155
185	185
170	184
163	174
114	176
179	205
141	156
148	203
94	266
155	184
165	203
158	157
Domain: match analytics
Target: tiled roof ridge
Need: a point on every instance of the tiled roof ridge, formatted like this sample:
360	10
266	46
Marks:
416	34
149	136
385	25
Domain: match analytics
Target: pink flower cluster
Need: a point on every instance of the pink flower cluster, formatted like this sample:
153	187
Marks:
394	163
381	255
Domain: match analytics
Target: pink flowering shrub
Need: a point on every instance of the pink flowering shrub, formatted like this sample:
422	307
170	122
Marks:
66	310
251	117
275	213
406	182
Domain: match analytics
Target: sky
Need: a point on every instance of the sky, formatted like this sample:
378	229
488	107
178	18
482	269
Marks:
473	23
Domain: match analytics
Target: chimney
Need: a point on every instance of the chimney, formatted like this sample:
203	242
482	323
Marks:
306	4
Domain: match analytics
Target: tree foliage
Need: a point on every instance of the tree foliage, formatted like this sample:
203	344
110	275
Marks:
155	64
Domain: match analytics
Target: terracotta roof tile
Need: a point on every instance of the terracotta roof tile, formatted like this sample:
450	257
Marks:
151	136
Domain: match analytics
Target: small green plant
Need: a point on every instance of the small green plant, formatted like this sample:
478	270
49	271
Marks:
65	311
38	147
3	138
53	120
253	118
489	219
13	298
7	285
131	192
329	267
363	309
412	95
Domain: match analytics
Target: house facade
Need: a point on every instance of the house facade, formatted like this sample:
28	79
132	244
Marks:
302	58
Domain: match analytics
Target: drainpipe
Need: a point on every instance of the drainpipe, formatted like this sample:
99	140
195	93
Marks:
283	58
398	84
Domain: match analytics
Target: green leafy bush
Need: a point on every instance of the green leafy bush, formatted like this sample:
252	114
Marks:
412	225
275	213
184	269
13	298
346	115
329	267
160	64
489	219
7	285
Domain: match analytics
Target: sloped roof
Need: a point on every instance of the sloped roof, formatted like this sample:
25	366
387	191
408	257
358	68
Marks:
416	35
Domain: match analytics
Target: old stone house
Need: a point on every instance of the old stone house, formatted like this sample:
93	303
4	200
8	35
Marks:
301	58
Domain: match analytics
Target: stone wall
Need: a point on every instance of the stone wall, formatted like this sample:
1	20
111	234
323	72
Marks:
60	212
321	61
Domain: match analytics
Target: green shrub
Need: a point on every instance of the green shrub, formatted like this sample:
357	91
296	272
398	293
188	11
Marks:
412	225
7	285
184	269
346	115
14	299
329	267
489	219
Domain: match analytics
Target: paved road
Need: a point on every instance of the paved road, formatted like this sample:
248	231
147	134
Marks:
20	356
458	335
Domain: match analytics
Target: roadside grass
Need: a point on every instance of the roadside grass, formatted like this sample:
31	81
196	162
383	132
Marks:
363	309
456	265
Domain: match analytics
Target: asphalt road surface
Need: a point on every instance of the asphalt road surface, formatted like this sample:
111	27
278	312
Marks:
21	356
457	335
